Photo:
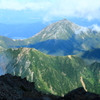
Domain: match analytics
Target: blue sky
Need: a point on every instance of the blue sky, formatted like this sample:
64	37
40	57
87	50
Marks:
82	12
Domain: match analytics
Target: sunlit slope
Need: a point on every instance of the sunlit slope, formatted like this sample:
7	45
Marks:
63	30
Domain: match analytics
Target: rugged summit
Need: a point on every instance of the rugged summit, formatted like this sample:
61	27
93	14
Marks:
63	30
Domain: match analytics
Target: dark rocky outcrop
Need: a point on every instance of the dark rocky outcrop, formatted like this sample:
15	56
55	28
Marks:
80	94
15	88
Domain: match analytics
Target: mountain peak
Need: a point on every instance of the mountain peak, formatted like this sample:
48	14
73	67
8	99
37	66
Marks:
63	30
65	20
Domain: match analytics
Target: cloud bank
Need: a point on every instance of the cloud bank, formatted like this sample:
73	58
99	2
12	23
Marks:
95	27
23	5
87	9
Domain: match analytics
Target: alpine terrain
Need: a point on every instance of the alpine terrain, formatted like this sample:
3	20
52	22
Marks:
64	38
61	57
52	74
60	39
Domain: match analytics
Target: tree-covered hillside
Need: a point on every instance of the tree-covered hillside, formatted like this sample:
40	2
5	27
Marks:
53	74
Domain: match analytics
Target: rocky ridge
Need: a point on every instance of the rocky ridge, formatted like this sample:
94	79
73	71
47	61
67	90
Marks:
48	72
16	88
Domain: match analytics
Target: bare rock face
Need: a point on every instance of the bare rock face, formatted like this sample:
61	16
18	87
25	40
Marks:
13	87
16	88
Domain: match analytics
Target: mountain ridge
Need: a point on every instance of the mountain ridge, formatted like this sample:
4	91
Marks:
80	38
62	29
46	70
77	38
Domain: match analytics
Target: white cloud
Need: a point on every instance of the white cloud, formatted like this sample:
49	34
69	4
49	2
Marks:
87	9
47	19
23	5
81	29
95	27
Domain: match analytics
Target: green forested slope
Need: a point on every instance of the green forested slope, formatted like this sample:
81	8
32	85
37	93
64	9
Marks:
95	68
53	74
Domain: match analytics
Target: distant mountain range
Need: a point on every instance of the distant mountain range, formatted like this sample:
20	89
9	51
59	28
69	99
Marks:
60	38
